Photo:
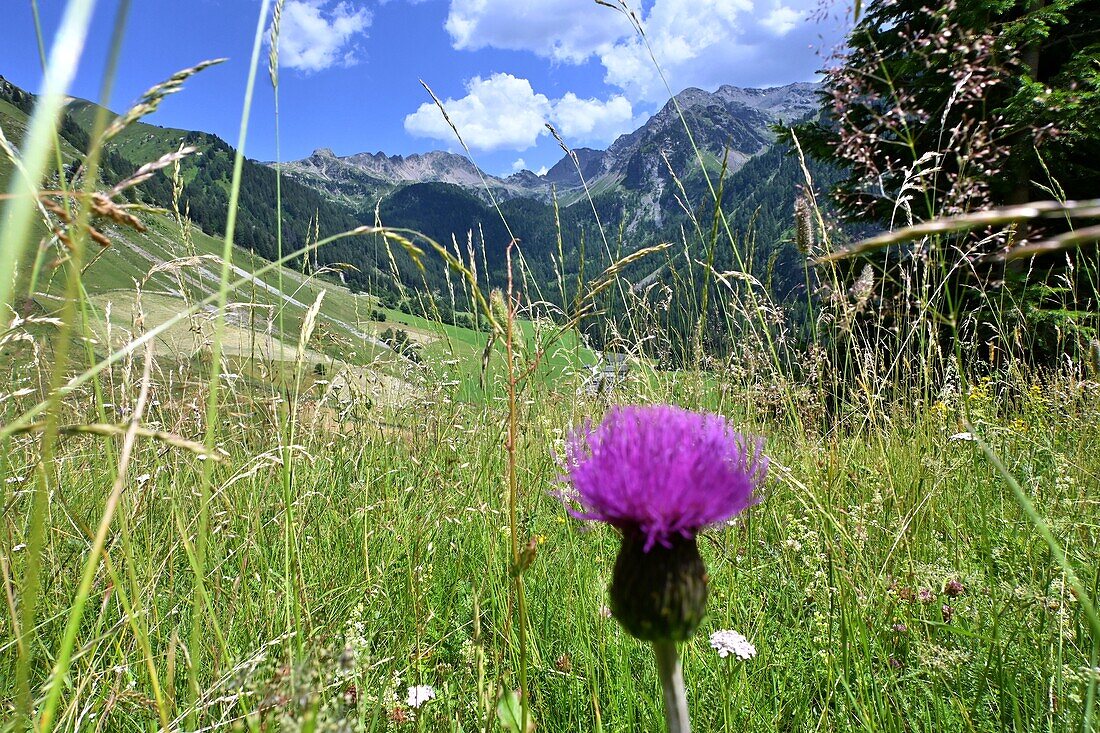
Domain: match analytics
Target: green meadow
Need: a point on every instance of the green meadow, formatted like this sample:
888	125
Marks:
239	494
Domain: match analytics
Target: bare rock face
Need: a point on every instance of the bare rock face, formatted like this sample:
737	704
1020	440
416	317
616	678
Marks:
364	177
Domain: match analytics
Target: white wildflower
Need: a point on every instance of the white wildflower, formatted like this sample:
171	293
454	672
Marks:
963	436
728	642
418	695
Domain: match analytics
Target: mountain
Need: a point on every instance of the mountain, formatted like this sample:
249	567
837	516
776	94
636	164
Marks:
732	124
567	173
206	177
731	119
788	102
640	190
361	180
161	255
636	188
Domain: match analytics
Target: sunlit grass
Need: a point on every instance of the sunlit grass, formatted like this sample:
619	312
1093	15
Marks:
354	523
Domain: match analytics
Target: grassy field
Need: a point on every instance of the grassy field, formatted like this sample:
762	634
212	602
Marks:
228	505
353	543
890	579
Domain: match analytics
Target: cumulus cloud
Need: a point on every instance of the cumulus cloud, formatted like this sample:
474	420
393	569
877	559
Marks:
316	35
519	165
685	41
504	112
592	120
782	19
565	30
701	43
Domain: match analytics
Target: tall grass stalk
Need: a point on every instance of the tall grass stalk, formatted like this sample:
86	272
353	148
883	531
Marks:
198	611
59	72
75	305
291	413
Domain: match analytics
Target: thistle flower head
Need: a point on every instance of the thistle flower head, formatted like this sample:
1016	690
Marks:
662	472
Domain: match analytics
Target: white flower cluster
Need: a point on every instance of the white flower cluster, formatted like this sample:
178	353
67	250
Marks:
418	695
356	654
728	642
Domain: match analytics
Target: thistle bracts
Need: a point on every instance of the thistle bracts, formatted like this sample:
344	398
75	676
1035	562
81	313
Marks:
660	595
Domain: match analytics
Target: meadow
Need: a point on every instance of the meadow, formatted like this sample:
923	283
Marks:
229	504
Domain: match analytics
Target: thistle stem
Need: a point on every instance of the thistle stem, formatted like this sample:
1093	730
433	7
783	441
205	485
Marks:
671	674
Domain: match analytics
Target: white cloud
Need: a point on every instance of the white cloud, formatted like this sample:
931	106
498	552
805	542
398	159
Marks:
702	43
519	165
592	121
314	37
691	39
504	112
782	19
564	30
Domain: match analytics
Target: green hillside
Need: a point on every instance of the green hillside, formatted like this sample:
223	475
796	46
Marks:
207	175
174	269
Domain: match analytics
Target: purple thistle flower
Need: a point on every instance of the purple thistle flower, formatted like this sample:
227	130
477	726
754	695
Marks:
662	471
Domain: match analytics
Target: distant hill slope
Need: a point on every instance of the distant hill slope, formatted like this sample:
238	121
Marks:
207	175
347	342
133	254
170	278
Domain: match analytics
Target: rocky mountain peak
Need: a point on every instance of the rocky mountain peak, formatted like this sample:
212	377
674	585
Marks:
786	102
564	172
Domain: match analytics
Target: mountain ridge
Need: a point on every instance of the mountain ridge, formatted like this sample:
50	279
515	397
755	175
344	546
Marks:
644	188
731	123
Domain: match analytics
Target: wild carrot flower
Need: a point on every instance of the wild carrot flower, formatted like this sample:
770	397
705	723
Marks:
732	643
417	695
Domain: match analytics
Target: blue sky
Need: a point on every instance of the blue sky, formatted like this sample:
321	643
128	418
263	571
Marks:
350	68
